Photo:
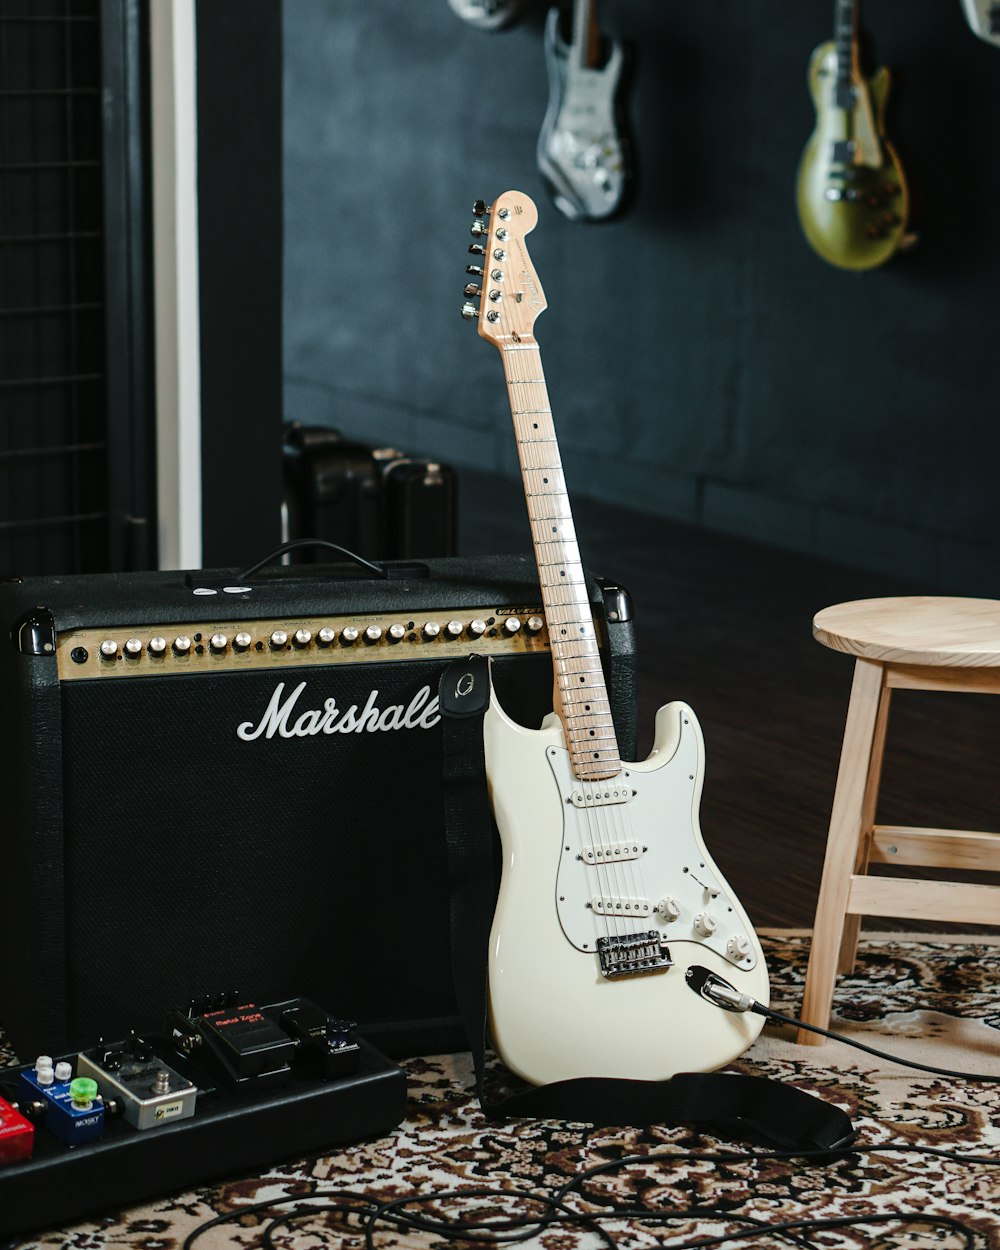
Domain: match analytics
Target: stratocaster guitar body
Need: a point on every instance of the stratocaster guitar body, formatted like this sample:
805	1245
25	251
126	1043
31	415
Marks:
851	194
554	1014
581	147
612	918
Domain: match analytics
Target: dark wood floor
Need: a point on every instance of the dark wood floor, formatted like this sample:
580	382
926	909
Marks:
726	625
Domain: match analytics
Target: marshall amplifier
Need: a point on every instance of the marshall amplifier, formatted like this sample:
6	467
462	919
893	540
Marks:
216	787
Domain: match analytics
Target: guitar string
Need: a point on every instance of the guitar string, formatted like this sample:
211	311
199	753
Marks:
601	843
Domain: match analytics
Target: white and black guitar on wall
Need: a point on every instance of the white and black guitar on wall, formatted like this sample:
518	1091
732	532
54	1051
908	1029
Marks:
984	18
582	150
611	912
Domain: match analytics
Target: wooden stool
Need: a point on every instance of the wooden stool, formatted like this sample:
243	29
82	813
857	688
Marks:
920	643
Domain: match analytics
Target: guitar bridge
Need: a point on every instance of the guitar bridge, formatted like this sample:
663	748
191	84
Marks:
633	953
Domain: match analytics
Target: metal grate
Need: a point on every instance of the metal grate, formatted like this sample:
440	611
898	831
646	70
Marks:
54	485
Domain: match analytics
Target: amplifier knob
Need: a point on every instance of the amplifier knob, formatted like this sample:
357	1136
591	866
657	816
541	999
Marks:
241	642
133	648
431	629
512	624
454	629
397	632
302	638
157	645
373	633
278	639
218	643
182	644
109	649
535	624
477	628
348	635
325	636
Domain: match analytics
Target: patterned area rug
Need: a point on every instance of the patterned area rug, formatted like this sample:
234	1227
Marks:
934	1002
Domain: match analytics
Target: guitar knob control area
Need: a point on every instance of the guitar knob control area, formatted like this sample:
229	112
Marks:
705	924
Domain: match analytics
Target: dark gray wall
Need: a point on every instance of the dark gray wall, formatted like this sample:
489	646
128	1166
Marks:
702	363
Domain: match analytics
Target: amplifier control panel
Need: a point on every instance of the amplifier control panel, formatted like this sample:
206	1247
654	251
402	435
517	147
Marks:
208	646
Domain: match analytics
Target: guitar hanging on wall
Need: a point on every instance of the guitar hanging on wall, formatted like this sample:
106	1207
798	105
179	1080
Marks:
582	150
851	191
610	911
984	18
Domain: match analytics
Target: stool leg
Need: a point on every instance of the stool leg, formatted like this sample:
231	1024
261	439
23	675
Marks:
842	844
852	922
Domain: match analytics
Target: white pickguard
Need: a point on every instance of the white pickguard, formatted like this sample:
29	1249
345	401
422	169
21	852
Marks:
553	1014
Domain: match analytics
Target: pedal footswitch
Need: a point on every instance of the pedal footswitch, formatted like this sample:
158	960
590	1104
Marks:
149	1092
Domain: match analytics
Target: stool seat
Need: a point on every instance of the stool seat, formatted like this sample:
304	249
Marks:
916	629
931	643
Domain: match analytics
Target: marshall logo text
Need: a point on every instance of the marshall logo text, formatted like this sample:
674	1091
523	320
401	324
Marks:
280	716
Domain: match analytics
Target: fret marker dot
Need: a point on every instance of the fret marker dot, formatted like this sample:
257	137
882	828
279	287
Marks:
545	479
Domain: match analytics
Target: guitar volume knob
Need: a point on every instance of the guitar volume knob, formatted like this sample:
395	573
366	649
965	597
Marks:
668	907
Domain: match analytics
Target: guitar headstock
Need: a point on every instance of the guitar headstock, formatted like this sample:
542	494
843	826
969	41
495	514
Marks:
511	296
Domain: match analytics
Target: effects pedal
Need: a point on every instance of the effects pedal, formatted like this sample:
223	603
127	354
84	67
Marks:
17	1134
73	1112
149	1092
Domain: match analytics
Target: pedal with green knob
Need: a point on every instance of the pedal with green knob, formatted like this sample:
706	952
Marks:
70	1107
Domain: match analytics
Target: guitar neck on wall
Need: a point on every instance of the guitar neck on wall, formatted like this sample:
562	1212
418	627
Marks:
612	921
851	191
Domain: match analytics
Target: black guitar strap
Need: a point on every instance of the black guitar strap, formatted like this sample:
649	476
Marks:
747	1107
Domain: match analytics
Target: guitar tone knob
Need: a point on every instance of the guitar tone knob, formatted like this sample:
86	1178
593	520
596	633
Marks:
242	641
218	643
738	946
705	923
133	648
454	629
349	635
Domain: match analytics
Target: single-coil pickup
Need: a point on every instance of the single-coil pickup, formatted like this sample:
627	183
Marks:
606	906
616	853
600	796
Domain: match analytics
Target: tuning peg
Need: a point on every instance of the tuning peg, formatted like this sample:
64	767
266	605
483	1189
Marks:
469	312
480	208
472	289
476	270
477	228
477	249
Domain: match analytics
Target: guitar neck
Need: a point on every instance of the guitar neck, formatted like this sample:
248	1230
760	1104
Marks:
845	36
586	33
580	694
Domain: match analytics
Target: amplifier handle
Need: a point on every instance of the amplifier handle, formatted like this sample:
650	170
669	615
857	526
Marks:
399	569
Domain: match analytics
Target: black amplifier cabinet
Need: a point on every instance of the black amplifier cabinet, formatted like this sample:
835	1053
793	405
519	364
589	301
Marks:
211	787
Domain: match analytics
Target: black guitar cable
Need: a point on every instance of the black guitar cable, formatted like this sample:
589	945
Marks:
719	992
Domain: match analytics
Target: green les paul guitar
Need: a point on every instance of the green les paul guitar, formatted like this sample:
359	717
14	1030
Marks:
851	191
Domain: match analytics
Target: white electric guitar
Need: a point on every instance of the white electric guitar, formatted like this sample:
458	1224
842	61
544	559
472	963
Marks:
611	916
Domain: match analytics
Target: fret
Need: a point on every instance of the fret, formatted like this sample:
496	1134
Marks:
581	697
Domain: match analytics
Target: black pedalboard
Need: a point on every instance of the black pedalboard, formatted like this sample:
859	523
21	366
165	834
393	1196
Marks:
228	1086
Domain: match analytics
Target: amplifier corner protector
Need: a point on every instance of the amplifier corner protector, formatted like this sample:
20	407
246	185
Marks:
35	633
